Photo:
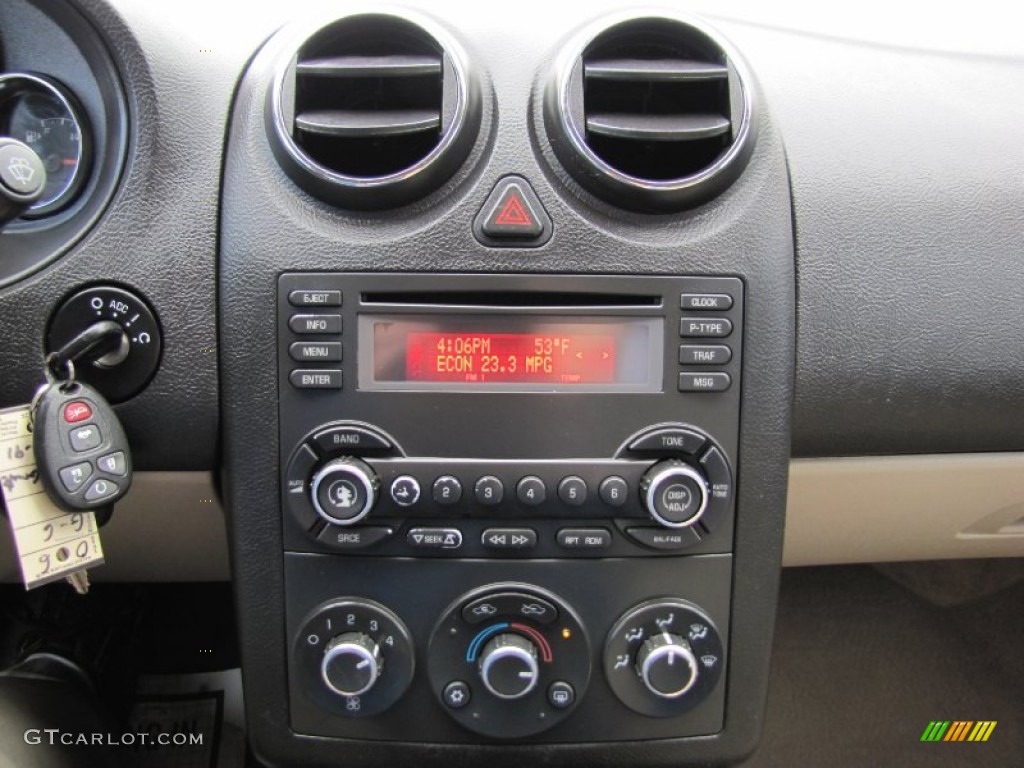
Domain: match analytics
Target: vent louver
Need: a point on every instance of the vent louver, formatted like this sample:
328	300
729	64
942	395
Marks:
651	114
373	111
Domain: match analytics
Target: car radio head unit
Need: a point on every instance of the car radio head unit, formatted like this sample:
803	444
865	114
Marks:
508	424
443	419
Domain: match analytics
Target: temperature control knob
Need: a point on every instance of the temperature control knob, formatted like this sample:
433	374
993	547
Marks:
674	493
508	666
344	491
667	666
351	664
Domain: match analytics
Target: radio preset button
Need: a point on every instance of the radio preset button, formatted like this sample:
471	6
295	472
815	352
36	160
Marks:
315	351
317	324
315	298
489	491
405	490
705	301
531	491
572	490
584	538
699	327
704	354
509	538
315	378
434	538
672	440
447	490
613	491
704	382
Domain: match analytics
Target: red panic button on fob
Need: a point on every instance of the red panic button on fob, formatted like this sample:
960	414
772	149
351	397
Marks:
77	410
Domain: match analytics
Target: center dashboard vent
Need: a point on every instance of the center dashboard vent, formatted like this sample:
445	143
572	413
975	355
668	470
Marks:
651	114
373	111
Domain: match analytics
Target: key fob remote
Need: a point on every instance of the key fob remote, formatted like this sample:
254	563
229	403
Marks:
81	450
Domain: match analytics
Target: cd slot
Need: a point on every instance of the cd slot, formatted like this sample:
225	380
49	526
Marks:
531	299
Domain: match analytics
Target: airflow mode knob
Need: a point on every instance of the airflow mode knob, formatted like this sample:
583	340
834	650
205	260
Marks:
372	111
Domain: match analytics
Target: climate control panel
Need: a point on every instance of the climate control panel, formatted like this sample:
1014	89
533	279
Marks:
507	661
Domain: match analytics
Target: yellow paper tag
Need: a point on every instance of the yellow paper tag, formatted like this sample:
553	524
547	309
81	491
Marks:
51	543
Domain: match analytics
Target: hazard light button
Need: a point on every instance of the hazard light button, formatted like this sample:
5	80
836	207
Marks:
512	216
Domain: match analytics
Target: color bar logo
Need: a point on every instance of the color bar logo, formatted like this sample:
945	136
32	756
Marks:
958	730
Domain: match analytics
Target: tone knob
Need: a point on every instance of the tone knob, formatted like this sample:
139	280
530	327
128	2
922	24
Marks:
351	664
508	666
667	666
344	491
674	493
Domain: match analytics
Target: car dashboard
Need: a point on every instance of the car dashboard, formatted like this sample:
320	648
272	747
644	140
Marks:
501	358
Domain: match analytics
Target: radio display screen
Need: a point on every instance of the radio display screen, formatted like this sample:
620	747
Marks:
512	353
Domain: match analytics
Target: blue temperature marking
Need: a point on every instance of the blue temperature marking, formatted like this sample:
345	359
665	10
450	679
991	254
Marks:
474	647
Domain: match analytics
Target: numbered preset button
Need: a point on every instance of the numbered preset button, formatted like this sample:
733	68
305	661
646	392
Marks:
489	491
447	490
572	490
531	491
613	491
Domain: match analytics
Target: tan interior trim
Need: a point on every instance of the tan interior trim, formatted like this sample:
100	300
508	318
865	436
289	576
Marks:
170	527
890	508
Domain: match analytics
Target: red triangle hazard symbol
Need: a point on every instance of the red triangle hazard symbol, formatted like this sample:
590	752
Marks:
513	212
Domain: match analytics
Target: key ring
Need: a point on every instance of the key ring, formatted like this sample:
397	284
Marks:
52	369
